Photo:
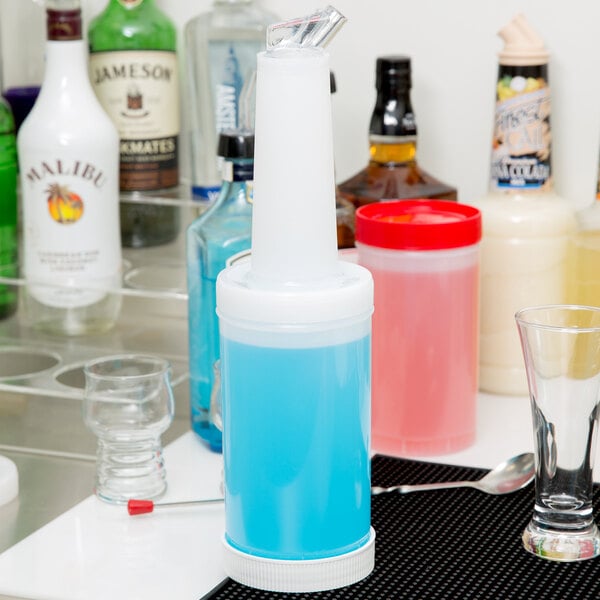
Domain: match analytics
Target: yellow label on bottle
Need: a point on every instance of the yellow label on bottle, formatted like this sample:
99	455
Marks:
522	138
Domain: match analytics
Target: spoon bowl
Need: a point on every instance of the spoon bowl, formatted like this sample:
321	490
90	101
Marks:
509	476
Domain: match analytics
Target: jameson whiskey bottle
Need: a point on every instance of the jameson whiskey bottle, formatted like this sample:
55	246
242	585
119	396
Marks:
8	209
393	171
133	69
221	47
526	225
68	151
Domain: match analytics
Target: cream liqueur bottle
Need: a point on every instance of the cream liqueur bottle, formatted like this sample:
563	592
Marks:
526	225
69	170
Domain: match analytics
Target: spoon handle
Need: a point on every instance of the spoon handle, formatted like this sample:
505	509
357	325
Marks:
405	489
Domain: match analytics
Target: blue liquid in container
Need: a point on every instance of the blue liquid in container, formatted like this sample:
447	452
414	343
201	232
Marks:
296	448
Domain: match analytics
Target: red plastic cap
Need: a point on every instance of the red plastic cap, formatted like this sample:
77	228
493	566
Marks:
139	507
418	224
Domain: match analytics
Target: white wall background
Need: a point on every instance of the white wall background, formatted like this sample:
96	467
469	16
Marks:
454	46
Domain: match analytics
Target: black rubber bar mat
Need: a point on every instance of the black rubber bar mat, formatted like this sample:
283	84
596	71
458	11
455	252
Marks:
449	545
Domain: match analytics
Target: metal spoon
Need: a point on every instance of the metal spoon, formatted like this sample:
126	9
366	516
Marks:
507	477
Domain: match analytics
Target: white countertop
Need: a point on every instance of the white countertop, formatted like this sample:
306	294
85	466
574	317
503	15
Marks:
98	552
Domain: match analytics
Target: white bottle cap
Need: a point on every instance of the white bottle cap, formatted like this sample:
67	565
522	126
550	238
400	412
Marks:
523	46
293	576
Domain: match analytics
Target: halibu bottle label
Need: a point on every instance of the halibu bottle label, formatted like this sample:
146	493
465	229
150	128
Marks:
69	219
140	92
522	140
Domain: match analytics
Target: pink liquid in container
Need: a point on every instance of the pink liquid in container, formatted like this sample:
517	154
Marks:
424	258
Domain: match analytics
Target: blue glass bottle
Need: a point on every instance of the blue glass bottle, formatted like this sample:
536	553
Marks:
214	237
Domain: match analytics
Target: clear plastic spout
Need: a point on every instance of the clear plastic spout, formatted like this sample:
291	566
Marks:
313	31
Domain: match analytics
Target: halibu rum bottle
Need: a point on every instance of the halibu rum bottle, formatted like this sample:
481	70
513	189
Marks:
68	152
134	72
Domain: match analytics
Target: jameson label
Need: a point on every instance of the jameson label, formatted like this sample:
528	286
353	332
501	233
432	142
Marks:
521	148
70	221
139	89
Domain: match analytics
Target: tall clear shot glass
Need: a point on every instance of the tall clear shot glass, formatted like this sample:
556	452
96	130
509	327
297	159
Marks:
561	348
128	404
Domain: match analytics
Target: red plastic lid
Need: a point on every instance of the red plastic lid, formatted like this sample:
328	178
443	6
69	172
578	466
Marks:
418	224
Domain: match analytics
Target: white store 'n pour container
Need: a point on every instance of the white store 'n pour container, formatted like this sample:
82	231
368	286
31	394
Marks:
295	327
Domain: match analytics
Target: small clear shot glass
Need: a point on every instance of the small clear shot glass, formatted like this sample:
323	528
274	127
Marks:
128	404
561	348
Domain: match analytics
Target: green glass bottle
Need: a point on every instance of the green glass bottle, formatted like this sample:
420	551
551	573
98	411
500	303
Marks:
133	69
8	210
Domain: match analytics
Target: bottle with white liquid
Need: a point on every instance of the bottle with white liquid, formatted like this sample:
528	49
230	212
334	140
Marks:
68	152
526	226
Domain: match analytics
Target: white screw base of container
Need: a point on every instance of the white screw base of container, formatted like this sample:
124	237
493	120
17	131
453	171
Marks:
9	480
300	575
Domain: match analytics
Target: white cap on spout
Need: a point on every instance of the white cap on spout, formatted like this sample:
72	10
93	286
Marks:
523	46
293	222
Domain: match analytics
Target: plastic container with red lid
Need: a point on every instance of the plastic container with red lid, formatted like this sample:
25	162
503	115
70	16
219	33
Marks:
418	225
424	258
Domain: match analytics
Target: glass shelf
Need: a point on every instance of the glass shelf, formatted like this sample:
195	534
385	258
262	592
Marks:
153	319
34	362
178	196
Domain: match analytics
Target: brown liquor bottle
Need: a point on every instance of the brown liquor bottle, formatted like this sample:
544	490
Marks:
393	172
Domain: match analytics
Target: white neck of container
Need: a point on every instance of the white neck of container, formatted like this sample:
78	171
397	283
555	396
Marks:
294	229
